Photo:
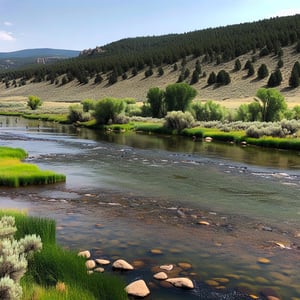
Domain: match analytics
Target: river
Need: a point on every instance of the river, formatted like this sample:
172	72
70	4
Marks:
128	194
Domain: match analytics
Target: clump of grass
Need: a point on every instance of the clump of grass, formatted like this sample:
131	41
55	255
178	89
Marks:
18	153
15	173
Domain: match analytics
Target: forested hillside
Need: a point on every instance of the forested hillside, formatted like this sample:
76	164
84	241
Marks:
213	56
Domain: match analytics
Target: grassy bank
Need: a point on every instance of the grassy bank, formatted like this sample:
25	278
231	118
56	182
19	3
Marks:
15	173
55	273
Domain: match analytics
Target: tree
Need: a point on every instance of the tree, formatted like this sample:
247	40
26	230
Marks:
237	65
34	102
250	70
160	71
195	77
107	109
98	79
247	64
280	63
294	80
178	96
212	78
113	78
275	79
223	78
155	97
148	72
272	104
262	71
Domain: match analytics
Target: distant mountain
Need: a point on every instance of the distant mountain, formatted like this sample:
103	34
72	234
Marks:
40	52
17	59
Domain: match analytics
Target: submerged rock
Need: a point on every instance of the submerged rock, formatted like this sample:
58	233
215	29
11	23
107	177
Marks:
137	288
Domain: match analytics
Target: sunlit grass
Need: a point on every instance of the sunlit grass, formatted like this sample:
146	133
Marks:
15	173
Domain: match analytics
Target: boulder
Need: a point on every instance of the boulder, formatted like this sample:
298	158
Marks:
167	267
181	282
137	288
122	264
90	264
102	261
160	276
85	253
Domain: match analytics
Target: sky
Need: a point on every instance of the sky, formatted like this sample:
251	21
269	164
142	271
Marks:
83	24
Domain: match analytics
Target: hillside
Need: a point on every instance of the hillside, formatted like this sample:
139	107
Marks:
17	59
241	89
121	66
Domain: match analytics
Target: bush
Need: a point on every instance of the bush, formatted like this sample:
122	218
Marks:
178	120
77	114
107	109
88	104
34	102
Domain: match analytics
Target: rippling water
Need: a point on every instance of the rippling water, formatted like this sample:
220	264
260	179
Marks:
127	194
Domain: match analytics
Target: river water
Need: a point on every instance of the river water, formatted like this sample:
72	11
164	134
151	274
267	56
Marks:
128	194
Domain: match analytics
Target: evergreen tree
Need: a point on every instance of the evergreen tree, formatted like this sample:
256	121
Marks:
175	67
223	78
294	80
247	64
237	65
298	47
250	70
195	77
275	79
98	79
262	71
280	63
212	78
113	78
160	71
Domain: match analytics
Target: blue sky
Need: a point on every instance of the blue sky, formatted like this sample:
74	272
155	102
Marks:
82	24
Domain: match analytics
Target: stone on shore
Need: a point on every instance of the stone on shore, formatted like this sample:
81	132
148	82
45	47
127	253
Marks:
122	264
86	254
160	276
90	264
137	288
181	282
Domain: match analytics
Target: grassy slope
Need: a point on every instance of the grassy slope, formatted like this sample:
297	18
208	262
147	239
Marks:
241	90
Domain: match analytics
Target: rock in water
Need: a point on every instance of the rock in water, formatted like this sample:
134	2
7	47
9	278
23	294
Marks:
122	264
181	282
137	288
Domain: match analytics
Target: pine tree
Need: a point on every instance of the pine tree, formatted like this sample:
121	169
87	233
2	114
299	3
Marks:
237	65
262	71
294	80
195	77
212	78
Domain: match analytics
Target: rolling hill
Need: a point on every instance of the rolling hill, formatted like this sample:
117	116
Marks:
120	69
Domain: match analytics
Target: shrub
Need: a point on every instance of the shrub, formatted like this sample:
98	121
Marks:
178	120
34	102
13	258
88	104
107	109
76	114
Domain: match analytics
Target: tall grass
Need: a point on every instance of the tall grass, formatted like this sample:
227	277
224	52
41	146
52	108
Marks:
15	173
55	265
12	152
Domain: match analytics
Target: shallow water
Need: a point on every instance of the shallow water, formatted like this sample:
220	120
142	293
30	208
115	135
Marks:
127	194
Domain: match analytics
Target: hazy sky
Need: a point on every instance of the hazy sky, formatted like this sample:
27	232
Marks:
82	24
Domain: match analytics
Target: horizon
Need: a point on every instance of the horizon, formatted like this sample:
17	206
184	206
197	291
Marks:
95	23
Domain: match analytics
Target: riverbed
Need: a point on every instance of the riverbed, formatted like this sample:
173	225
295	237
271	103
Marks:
218	207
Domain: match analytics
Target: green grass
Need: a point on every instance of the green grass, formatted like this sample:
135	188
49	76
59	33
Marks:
14	173
12	153
54	266
60	118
